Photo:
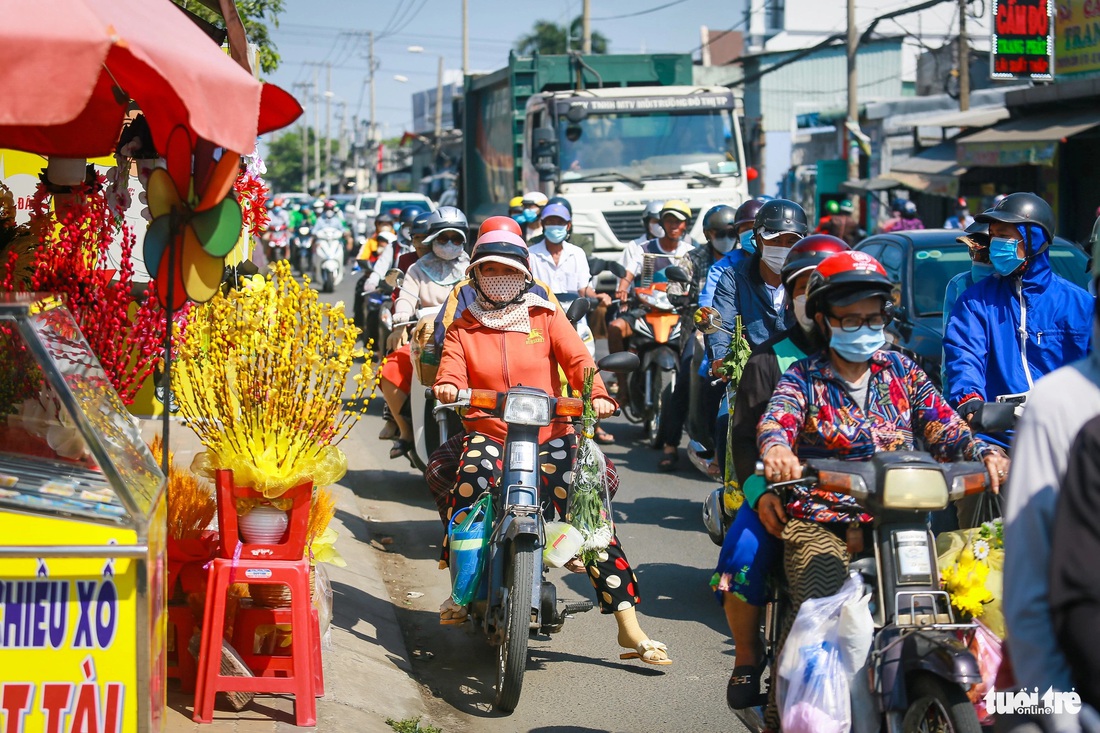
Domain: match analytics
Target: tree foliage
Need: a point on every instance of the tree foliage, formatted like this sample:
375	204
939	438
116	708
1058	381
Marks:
284	160
548	37
257	16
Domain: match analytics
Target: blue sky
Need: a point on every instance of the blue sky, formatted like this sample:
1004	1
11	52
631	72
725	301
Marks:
315	31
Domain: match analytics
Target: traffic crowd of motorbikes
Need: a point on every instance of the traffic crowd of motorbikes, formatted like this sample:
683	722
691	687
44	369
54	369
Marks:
837	460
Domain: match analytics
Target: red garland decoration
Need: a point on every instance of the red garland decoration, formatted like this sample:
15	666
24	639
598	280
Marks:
74	263
252	195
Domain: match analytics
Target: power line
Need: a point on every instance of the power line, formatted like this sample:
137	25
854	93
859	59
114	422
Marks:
642	12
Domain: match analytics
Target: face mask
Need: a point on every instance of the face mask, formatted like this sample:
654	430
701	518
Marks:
1003	257
799	305
530	215
722	244
277	210
502	288
656	230
556	234
330	214
774	257
857	346
980	271
747	242
448	251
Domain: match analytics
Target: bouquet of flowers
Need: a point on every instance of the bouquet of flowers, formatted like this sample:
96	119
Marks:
589	506
971	566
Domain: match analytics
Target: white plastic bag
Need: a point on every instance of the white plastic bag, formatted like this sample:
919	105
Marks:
813	689
857	630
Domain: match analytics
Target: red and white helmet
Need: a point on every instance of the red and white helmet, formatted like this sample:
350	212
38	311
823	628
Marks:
845	278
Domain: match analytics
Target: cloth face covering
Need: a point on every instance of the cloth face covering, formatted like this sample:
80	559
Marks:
799	305
980	271
747	242
722	244
1002	255
448	251
501	289
857	346
774	257
555	234
656	230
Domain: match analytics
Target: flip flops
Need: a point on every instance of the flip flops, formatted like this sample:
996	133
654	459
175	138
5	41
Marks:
650	652
743	690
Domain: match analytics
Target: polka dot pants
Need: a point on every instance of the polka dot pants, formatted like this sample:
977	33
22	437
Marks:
479	468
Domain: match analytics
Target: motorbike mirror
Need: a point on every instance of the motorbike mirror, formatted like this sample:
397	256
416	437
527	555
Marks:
394	278
616	268
994	417
620	362
708	320
596	266
677	274
578	309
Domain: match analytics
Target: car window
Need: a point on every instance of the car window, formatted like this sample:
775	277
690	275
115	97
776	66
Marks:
390	204
933	268
874	249
892	257
1071	263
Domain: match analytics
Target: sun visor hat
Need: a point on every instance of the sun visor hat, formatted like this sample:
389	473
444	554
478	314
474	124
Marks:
764	234
556	210
503	247
502	260
432	237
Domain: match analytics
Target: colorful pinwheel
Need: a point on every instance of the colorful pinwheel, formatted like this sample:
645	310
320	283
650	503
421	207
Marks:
195	224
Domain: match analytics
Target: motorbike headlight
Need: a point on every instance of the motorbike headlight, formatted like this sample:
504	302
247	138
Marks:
660	300
527	409
914	488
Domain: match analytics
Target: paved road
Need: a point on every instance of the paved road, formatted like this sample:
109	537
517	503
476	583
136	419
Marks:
574	680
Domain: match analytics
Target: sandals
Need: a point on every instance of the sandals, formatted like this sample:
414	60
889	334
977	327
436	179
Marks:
389	431
743	690
669	462
450	613
650	652
400	448
603	437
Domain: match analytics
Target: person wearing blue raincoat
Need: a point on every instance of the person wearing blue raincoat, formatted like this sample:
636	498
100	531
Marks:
1007	331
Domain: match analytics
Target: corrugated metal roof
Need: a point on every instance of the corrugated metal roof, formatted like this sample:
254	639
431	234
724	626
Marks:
820	79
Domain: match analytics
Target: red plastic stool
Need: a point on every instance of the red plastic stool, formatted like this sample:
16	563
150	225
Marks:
250	618
184	668
280	564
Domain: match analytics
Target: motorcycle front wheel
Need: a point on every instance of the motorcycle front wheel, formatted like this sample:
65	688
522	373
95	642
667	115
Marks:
939	707
519	577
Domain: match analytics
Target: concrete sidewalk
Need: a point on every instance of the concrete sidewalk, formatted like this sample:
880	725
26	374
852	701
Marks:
367	672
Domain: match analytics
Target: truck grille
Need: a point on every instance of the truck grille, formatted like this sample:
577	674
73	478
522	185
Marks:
627	224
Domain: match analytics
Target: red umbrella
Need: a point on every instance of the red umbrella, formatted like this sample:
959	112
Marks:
71	68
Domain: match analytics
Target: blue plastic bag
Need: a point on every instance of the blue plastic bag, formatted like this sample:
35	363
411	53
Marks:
468	542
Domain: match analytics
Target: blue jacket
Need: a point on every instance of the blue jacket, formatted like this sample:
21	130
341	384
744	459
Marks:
984	356
732	259
741	292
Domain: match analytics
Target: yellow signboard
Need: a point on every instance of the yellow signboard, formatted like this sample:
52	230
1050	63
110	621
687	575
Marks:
69	634
1076	37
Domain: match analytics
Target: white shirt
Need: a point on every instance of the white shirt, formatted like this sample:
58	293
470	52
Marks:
778	296
633	254
569	275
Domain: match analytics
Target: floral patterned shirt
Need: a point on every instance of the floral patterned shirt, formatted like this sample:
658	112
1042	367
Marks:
813	414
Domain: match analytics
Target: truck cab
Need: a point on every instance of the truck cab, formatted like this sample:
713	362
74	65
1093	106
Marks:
610	151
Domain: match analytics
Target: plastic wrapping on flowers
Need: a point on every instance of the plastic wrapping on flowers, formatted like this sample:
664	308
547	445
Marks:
971	565
589	505
262	379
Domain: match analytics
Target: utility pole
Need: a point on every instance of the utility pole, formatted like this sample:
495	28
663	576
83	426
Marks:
328	130
964	59
586	28
465	37
316	128
439	111
853	95
303	132
371	129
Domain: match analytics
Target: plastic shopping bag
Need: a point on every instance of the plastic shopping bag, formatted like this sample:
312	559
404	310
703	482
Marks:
467	542
813	688
987	649
857	630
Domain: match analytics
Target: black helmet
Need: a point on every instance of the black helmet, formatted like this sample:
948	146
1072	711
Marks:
445	218
746	212
561	200
781	215
720	217
1021	208
844	278
419	226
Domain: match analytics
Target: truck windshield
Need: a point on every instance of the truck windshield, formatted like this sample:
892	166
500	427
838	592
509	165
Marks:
651	144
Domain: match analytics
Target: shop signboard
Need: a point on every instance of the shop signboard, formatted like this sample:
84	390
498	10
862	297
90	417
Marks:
1022	46
1077	37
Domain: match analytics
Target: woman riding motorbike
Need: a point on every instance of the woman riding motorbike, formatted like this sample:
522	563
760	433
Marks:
428	282
507	336
749	552
850	401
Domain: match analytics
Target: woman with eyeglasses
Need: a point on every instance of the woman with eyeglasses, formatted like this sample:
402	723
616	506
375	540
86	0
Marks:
849	401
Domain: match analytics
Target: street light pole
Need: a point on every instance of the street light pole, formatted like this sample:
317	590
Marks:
586	28
316	127
964	60
853	94
465	37
328	131
439	109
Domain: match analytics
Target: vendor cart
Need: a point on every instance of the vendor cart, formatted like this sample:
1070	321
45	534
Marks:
82	537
